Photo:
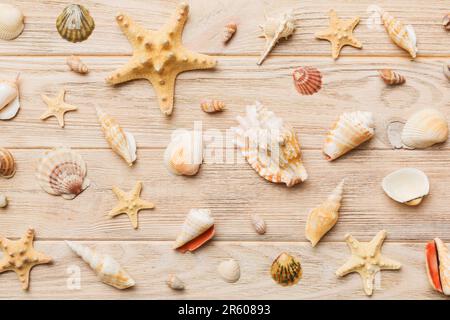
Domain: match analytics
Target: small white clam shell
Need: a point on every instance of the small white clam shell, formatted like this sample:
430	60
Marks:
3	201
175	283
11	21
229	270
407	185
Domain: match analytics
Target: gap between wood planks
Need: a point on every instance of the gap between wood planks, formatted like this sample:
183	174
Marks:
236	56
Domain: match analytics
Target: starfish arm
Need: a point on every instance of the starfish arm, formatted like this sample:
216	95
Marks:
61	95
4	264
352	243
24	277
354	23
375	244
3	242
46	99
336	49
125	73
40	258
355	43
136	190
164	90
368	280
134	32
28	237
46	115
176	23
323	35
193	61
133	216
388	264
143	204
60	117
334	20
352	265
69	107
121	195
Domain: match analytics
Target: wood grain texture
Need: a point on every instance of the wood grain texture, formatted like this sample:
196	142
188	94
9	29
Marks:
226	185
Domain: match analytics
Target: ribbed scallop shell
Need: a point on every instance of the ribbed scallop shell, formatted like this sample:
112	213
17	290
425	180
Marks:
184	154
196	230
286	270
62	172
7	164
9	98
307	80
391	77
348	132
121	142
75	24
403	36
105	267
270	146
424	129
11	21
229	270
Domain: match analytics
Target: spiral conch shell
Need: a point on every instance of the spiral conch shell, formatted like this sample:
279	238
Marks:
75	23
11	21
105	267
391	77
274	29
75	64
229	270
438	266
62	172
270	146
229	31
212	106
424	129
184	154
121	142
403	36
307	80
197	229
351	130
7	164
286	269
406	185
324	217
9	98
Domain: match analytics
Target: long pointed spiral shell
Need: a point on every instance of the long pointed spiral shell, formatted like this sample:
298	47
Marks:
75	64
391	77
403	36
7	164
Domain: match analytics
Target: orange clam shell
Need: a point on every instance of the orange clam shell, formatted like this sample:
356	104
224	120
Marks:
307	80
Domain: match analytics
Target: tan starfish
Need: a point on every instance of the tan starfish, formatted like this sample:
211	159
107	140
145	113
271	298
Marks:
367	260
130	203
57	107
19	256
340	34
159	56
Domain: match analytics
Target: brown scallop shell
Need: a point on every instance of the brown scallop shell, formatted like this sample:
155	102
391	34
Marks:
286	270
7	164
307	80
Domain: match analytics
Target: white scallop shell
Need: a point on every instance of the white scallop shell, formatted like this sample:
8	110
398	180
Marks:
407	185
184	154
229	270
197	222
11	21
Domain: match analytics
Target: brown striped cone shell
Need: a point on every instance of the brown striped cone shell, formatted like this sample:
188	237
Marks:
62	172
307	80
212	106
7	164
75	64
229	31
286	270
391	77
75	24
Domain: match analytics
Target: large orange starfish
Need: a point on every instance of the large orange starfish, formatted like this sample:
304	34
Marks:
159	56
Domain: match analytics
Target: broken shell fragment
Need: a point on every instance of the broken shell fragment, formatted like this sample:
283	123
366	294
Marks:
3	201
7	164
446	21
438	266
259	224
424	129
184	154
286	270
229	270
229	31
11	21
407	185
175	283
403	36
391	77
75	64
75	23
9	98
307	80
212	106
197	229
394	133
446	69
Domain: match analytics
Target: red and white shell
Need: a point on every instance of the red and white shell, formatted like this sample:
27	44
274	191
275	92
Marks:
307	80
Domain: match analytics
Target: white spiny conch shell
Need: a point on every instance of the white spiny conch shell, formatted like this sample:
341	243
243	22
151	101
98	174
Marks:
259	224
275	29
229	31
424	129
403	36
197	229
62	172
3	200
270	146
9	98
348	132
11	21
105	267
325	216
438	266
229	270
407	185
121	142
175	283
184	154
75	64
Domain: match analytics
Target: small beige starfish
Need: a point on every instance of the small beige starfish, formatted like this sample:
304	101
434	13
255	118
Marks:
340	34
57	107
367	260
130	203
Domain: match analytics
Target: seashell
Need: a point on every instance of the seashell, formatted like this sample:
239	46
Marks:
229	31
105	267
407	185
403	36
11	21
394	133
307	80
229	270
184	154
324	217
259	224
212	106
197	229
348	132
121	142
175	283
438	266
9	98
446	69
446	21
424	129
3	200
270	146
75	24
286	270
62	172
77	65
275	29
391	77
7	164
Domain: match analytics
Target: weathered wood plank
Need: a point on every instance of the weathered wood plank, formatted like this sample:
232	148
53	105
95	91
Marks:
150	263
207	18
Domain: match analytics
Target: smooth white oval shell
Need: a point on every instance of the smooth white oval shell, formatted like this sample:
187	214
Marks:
9	98
11	21
407	185
3	201
229	270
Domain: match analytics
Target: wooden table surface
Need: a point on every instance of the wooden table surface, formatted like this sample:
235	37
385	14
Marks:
233	191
